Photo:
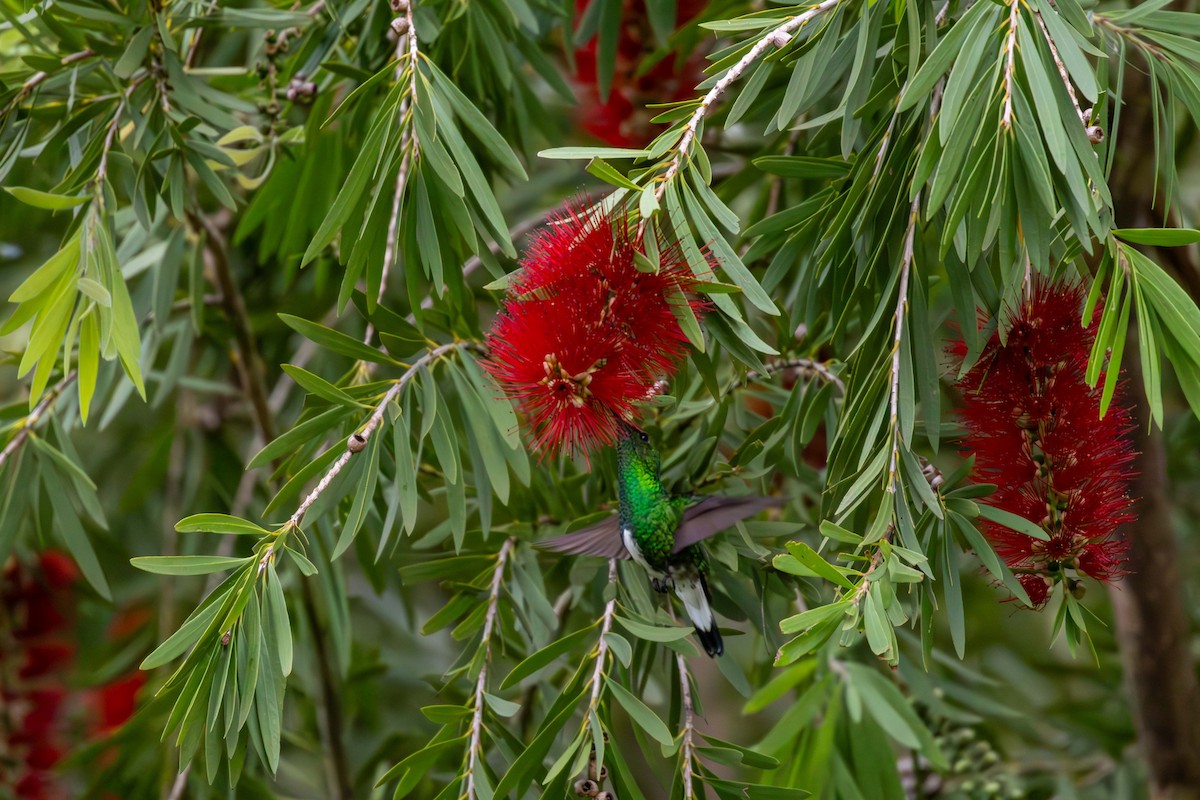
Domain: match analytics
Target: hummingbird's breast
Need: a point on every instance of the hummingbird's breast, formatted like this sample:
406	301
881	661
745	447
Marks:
651	523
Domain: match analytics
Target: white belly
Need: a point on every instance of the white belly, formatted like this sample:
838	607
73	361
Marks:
636	554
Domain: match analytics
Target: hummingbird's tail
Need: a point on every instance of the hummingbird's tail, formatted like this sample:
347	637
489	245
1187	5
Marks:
697	600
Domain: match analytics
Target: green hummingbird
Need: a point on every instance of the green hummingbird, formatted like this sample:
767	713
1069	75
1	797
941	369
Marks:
663	532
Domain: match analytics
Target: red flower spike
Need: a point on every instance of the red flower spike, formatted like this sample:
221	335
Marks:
1034	427
584	335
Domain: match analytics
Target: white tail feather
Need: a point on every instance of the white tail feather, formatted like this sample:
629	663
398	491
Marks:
698	609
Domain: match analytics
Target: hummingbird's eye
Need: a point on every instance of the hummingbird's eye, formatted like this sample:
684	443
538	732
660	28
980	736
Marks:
645	437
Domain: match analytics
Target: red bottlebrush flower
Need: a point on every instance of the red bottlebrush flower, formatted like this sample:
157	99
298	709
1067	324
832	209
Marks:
116	701
622	119
584	334
40	717
1034	427
45	659
38	600
57	569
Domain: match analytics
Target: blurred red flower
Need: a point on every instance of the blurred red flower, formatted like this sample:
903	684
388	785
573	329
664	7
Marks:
584	334
117	700
36	658
1034	427
642	75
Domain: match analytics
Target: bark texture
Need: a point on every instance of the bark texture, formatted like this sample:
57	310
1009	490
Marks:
1154	631
1152	625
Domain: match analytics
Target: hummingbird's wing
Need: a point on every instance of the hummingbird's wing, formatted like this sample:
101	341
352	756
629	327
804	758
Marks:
601	539
715	513
710	516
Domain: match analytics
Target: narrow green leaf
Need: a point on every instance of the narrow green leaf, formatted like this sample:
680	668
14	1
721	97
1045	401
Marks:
1159	237
803	166
575	153
280	623
189	632
187	565
607	173
300	435
79	545
316	385
811	559
45	200
640	713
541	658
812	617
219	523
654	633
1012	521
336	341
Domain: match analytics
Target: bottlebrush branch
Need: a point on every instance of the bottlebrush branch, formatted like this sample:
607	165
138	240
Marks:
1035	429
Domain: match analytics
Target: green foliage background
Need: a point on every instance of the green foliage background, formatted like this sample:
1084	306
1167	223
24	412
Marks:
246	243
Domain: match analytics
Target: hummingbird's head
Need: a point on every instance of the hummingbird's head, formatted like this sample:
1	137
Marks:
634	446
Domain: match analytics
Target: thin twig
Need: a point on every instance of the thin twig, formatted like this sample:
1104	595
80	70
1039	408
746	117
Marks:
897	340
1062	69
1010	63
172	508
864	585
113	125
330	705
406	45
1131	34
687	748
34	416
180	785
940	19
597	681
372	423
193	46
37	78
805	365
610	609
102	170
776	37
474	749
249	362
883	147
1027	282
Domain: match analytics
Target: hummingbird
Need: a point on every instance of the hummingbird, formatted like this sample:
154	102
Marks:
663	532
